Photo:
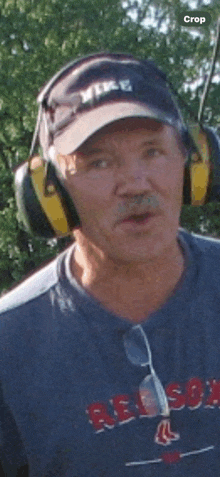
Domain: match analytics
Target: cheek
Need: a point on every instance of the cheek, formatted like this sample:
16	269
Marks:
179	181
175	198
170	193
172	182
91	197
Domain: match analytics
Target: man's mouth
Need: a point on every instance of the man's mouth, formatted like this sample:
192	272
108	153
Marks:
138	218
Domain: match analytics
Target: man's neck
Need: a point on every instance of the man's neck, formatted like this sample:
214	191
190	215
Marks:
130	290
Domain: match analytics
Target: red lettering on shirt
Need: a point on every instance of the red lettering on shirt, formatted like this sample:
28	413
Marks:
120	404
177	398
214	397
194	393
99	417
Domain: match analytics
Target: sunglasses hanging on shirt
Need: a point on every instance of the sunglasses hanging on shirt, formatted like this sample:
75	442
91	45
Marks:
151	391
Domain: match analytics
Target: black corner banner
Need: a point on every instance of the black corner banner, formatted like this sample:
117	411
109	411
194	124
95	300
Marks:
194	18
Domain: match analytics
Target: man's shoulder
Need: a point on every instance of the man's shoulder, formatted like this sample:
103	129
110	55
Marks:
36	285
203	244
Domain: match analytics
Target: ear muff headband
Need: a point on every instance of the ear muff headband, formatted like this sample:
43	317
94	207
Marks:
48	198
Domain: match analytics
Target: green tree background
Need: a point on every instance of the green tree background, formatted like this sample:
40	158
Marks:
37	37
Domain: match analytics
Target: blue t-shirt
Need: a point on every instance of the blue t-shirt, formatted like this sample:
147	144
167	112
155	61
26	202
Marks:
69	400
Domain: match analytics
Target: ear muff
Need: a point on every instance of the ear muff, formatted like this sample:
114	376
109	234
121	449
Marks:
44	205
214	146
197	180
47	209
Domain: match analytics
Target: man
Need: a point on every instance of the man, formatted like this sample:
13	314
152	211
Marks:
110	354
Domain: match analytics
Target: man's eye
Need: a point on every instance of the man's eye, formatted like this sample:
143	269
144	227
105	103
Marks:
99	163
153	152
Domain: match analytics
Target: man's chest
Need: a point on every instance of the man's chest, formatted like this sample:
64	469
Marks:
86	417
87	435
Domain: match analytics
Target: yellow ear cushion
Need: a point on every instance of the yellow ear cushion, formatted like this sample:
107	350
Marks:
51	204
200	167
199	183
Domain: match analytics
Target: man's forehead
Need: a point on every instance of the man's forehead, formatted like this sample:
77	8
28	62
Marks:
148	126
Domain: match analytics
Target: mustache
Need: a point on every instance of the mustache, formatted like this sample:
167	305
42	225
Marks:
137	206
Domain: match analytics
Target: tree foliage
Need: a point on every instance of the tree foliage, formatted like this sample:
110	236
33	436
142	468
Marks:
39	37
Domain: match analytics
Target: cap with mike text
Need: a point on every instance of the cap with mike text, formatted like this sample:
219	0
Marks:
98	90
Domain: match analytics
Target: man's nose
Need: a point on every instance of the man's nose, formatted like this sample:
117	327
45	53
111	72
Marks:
133	178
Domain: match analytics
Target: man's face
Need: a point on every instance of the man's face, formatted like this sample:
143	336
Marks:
129	168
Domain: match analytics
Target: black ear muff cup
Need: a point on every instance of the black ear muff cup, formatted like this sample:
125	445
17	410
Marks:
187	140
29	207
32	207
187	187
70	211
201	167
190	148
214	145
209	145
68	205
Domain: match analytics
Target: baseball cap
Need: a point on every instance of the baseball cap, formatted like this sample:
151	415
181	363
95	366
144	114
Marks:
99	89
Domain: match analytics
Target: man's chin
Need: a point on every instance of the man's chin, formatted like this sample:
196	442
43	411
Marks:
138	254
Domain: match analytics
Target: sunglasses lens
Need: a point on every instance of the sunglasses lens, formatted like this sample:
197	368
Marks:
135	347
153	396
